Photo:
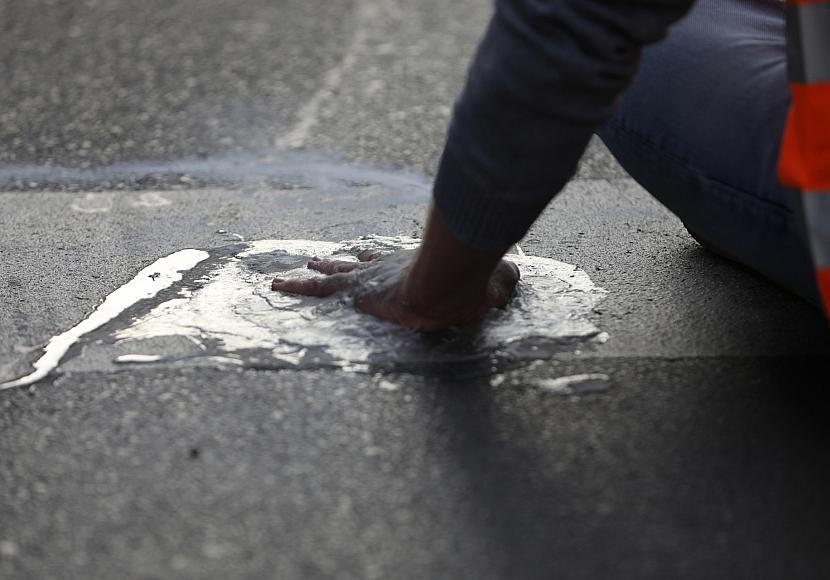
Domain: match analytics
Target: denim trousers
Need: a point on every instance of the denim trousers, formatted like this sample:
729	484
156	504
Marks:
700	129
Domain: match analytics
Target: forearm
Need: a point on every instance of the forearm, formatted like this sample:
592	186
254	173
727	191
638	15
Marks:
545	77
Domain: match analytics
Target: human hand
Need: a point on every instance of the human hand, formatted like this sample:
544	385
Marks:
389	287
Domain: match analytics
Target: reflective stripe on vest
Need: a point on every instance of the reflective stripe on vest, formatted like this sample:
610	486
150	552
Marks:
823	276
805	147
808	48
817	215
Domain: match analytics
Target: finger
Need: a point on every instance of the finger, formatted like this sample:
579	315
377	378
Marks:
331	266
318	286
370	255
503	283
509	270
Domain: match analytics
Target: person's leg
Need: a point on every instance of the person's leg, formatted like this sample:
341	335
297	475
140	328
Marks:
700	130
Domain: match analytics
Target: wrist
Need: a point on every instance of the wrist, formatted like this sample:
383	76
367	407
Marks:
431	295
446	279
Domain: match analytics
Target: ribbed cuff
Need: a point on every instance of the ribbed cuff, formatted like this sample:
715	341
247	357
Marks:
480	218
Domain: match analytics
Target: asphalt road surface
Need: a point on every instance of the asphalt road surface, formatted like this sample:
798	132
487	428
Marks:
130	130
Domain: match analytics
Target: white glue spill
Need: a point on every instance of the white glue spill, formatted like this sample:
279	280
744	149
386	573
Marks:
225	313
138	358
497	380
385	385
147	284
575	385
235	311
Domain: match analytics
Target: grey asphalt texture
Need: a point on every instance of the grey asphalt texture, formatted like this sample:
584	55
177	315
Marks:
706	459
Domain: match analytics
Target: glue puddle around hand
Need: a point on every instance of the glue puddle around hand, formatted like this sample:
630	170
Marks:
219	309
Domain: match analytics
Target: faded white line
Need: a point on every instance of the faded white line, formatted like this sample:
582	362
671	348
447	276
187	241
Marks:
309	114
148	283
576	384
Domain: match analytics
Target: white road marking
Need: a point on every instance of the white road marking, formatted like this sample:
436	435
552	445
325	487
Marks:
309	114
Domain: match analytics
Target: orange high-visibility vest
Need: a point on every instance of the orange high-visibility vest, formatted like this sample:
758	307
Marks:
805	148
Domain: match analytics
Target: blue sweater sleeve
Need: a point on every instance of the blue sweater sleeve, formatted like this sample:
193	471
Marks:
546	75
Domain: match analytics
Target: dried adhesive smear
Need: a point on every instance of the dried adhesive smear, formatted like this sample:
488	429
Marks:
575	384
218	309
